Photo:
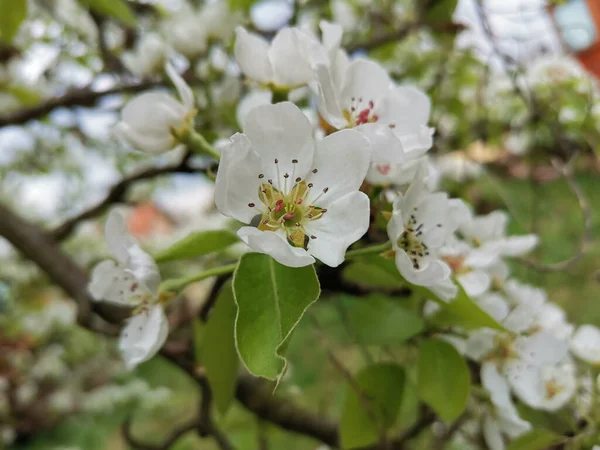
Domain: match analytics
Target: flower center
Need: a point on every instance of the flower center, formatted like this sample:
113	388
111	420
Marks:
360	112
411	240
553	388
288	209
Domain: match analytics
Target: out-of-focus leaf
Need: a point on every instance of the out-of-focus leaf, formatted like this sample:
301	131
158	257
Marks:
379	320
117	9
443	379
26	97
12	14
381	387
374	272
218	353
198	244
271	300
440	11
535	440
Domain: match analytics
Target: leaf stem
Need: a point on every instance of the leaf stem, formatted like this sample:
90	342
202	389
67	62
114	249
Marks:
178	284
380	248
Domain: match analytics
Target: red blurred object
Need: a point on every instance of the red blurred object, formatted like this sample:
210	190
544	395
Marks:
578	25
146	221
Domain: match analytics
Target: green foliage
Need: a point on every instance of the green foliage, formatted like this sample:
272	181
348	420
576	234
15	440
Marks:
440	11
371	405
535	440
218	353
117	9
240	5
12	13
198	244
271	300
443	379
463	312
374	272
379	320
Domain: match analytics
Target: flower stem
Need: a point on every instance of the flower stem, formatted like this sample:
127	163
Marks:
178	284
196	142
380	248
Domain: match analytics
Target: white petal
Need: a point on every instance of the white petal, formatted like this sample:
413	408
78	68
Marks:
329	98
276	246
495	305
523	318
143	267
252	55
586	344
385	145
518	245
281	132
185	92
475	282
251	101
292	53
332	34
416	144
237	181
491	433
496	384
342	161
431	272
366	81
152	144
480	343
111	283
346	221
445	289
541	349
143	336
117	237
406	107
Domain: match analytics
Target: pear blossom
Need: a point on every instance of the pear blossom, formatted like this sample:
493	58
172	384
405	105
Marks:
534	366
488	235
148	119
251	101
393	118
134	281
285	63
421	223
458	166
502	419
149	56
300	196
585	344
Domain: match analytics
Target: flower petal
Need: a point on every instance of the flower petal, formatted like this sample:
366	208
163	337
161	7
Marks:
492	433
292	53
143	336
342	161
328	97
586	344
117	236
144	269
475	282
112	283
495	305
281	132
431	272
237	181
252	55
251	101
365	80
385	146
185	92
346	221
276	246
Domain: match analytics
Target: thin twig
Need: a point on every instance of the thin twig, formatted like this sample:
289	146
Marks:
170	440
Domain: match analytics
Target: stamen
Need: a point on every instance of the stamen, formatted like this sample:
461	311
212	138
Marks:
261	176
251	205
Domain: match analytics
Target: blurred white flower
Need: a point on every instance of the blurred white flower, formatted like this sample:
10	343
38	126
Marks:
133	281
458	167
148	119
149	56
585	344
301	195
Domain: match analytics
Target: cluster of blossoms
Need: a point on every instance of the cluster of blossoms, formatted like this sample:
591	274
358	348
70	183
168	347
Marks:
301	189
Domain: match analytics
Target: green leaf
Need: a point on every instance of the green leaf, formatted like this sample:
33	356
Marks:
463	312
374	272
535	440
365	416
117	9
440	11
240	5
27	97
271	300
218	350
12	13
379	320
198	244
443	379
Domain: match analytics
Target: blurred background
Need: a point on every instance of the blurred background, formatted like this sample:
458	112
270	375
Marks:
516	107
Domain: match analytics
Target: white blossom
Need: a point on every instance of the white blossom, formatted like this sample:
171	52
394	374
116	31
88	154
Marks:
585	344
148	57
284	63
148	119
421	224
301	196
134	280
458	167
394	118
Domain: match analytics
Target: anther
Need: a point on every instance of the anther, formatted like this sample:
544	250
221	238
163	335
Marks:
276	160
315	170
270	182
371	105
325	190
251	205
313	237
261	176
286	175
298	180
294	161
310	185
